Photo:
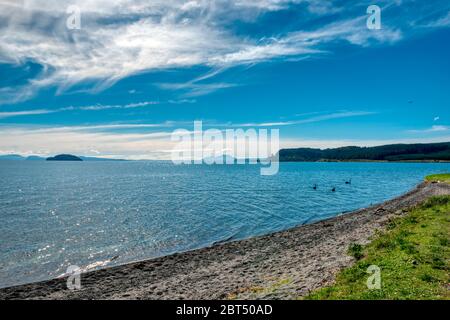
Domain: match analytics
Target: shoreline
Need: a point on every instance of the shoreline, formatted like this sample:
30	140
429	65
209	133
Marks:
294	262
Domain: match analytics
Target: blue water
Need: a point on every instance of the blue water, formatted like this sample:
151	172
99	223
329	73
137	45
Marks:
56	214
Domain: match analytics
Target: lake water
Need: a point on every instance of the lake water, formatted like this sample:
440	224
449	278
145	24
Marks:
57	214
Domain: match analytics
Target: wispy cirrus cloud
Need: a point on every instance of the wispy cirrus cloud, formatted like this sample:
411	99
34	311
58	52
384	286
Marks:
192	90
313	119
97	107
94	127
127	37
125	106
443	21
25	113
435	128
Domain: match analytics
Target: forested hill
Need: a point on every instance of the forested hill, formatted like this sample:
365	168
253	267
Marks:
393	152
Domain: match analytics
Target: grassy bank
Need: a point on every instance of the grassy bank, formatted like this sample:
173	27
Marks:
413	255
444	177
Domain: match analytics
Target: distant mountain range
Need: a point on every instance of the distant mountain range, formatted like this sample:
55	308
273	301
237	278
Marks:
37	158
393	152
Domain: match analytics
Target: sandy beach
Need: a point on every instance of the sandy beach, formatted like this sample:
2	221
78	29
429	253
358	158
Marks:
283	265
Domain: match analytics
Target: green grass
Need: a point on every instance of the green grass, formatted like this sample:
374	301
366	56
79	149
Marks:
444	177
356	251
413	255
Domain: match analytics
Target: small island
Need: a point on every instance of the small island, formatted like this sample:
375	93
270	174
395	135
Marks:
64	157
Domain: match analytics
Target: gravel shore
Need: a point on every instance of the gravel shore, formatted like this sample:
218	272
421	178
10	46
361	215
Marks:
282	265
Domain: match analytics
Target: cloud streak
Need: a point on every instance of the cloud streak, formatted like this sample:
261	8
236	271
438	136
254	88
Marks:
98	107
319	118
25	113
435	128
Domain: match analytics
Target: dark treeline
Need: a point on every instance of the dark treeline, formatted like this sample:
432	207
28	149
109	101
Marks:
394	152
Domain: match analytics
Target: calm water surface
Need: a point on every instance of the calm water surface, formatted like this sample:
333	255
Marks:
56	214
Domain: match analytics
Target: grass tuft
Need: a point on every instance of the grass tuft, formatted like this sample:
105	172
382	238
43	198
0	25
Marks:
443	177
356	251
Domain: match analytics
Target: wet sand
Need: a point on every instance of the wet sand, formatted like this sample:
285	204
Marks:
282	265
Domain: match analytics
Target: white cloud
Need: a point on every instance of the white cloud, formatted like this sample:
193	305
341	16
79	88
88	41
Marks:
319	118
435	128
71	108
441	22
182	101
24	113
126	37
195	89
16	94
98	127
126	106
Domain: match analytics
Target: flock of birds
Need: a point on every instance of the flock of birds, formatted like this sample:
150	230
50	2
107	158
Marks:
334	188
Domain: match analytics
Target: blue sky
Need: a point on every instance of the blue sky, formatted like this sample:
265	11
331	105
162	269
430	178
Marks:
137	70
